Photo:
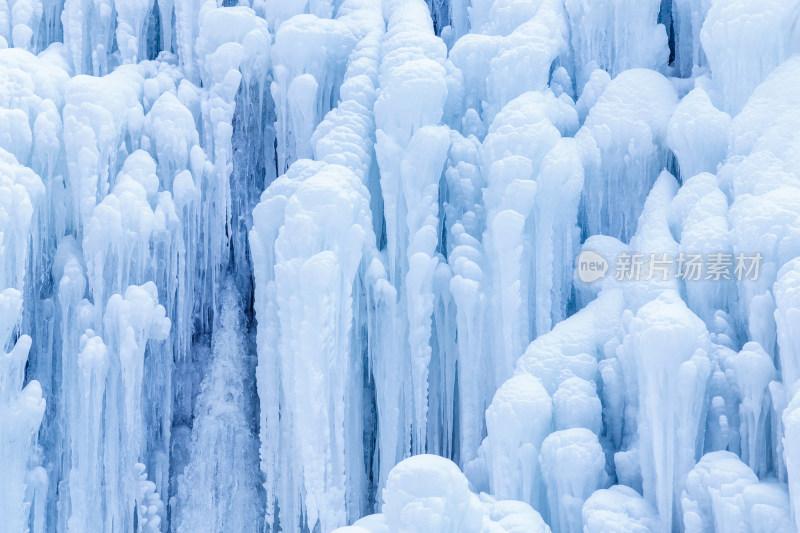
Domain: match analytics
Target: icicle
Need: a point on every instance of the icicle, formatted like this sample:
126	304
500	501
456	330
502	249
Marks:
233	50
687	19
343	137
314	281
512	154
759	177
130	34
21	412
597	43
22	19
310	56
88	35
84	406
555	217
787	300
754	370
744	42
623	150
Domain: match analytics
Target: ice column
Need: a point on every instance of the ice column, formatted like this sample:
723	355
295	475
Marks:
312	248
700	208
463	218
791	454
84	408
344	137
759	175
22	18
669	345
555	218
130	322
21	412
130	35
411	152
787	300
517	421
89	35
511	155
754	370
181	165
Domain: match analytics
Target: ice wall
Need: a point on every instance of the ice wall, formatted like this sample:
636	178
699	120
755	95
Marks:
293	265
21	404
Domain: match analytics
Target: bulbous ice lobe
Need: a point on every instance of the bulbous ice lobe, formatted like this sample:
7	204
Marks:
619	509
573	467
426	493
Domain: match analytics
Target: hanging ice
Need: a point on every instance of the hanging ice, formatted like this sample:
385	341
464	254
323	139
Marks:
399	265
622	142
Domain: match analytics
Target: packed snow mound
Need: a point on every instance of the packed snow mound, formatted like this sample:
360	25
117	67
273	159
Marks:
573	467
619	509
722	493
429	493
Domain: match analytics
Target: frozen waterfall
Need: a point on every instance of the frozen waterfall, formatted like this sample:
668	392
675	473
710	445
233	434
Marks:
399	266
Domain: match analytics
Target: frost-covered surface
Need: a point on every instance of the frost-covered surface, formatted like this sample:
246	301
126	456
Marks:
399	266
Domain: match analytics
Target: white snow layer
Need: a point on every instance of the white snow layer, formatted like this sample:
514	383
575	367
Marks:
321	265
